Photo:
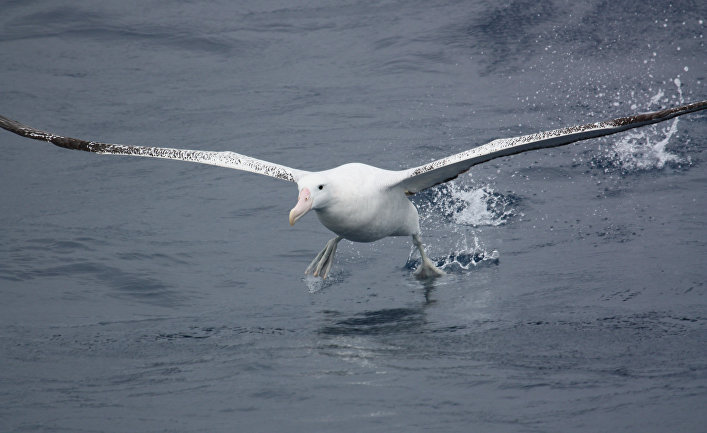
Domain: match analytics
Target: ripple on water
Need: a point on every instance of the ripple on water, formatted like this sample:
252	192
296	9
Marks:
76	258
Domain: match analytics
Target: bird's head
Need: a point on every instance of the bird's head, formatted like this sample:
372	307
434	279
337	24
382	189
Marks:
315	192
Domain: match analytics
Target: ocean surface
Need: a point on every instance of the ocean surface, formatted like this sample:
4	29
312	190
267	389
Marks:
141	295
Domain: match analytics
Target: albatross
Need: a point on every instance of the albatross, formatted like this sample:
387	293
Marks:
360	202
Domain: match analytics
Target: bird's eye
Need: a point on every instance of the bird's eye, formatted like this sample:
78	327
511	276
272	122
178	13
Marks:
321	186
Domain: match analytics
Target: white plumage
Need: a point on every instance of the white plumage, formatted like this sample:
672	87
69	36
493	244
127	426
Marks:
360	202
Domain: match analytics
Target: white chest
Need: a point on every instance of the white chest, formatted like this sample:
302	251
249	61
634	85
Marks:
369	217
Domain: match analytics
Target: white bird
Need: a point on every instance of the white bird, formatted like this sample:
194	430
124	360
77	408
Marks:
360	202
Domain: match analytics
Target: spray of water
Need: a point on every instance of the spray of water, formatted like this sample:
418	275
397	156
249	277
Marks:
463	210
645	148
478	207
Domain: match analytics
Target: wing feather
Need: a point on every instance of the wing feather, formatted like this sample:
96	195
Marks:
443	170
222	159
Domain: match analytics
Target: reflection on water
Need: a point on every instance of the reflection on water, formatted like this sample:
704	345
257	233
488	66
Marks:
378	322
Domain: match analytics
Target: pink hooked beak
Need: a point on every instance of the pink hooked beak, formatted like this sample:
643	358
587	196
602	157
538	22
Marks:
304	205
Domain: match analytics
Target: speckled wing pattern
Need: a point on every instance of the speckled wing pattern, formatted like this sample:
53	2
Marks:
222	159
442	170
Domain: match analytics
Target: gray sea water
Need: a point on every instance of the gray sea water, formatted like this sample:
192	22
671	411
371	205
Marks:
141	295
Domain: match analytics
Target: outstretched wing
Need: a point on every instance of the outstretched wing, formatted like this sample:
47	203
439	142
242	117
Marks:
221	159
442	170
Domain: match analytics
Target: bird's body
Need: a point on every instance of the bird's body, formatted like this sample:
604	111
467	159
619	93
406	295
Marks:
360	202
362	206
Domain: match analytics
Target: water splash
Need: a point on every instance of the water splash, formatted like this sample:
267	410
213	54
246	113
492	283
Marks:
639	150
482	207
466	256
464	206
317	284
462	258
313	284
645	148
655	100
467	205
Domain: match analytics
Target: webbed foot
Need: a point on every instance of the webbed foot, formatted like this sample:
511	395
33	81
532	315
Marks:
321	264
427	270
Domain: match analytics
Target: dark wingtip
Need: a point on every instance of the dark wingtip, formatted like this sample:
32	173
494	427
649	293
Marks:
659	116
15	126
36	134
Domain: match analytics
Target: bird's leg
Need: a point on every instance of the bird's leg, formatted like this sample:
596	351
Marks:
427	269
322	263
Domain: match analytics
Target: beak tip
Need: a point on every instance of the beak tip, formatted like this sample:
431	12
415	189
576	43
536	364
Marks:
304	204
